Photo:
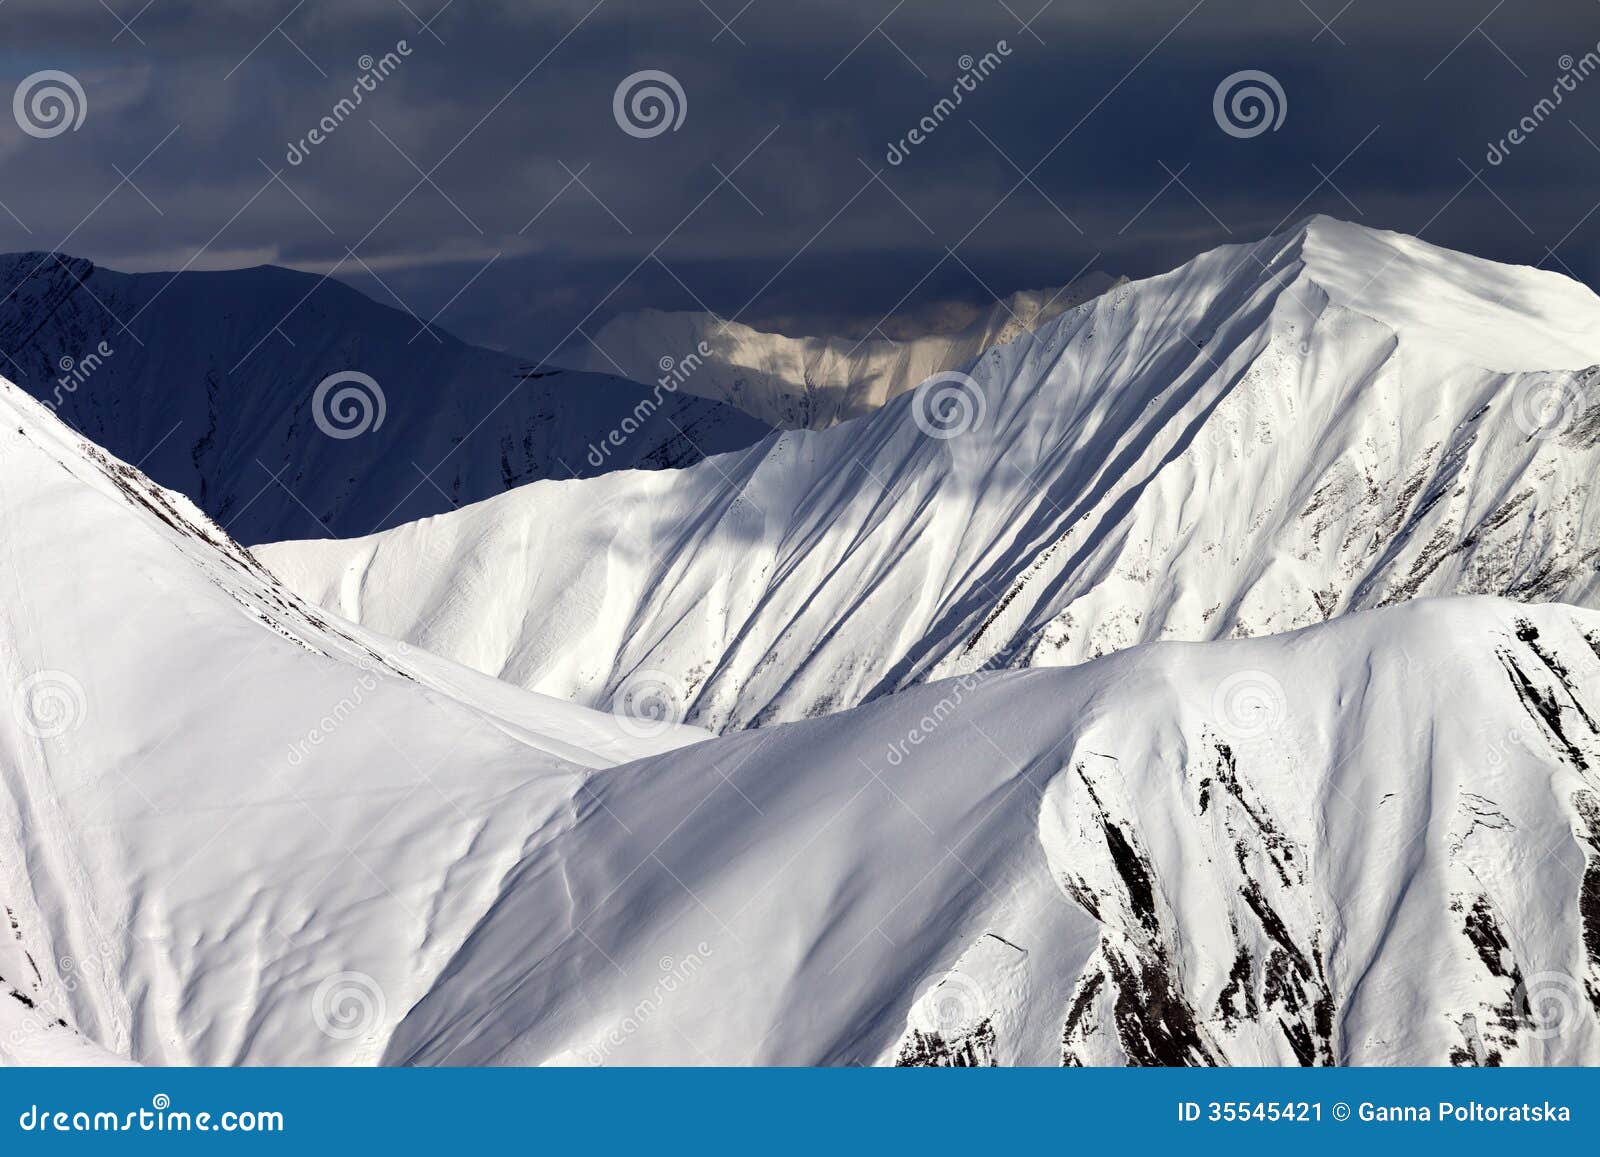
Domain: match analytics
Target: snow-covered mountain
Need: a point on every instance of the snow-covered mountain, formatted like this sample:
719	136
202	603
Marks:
812	382
1376	841
210	382
235	830
217	806
1331	420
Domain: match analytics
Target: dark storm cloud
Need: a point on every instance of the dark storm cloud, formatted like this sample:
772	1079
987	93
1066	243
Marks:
538	214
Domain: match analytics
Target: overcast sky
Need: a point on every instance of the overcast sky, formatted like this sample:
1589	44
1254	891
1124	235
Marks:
487	175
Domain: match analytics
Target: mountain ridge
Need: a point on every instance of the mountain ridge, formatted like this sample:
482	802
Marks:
221	384
1222	853
209	789
1223	839
1220	450
1336	254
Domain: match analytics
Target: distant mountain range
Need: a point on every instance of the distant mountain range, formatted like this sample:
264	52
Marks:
209	381
814	382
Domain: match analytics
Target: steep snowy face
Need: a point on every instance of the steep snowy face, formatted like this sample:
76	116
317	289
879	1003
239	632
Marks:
210	381
1331	420
1375	841
811	382
231	830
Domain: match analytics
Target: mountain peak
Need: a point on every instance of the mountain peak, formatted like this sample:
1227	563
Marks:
1489	314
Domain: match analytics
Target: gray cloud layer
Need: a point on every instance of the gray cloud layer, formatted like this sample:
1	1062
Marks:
508	110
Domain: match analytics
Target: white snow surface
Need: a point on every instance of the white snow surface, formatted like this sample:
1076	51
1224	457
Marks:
811	382
1365	843
213	798
1331	420
236	828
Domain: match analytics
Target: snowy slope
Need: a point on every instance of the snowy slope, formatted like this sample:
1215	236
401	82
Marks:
1376	841
209	381
1334	419
213	799
811	382
233	830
